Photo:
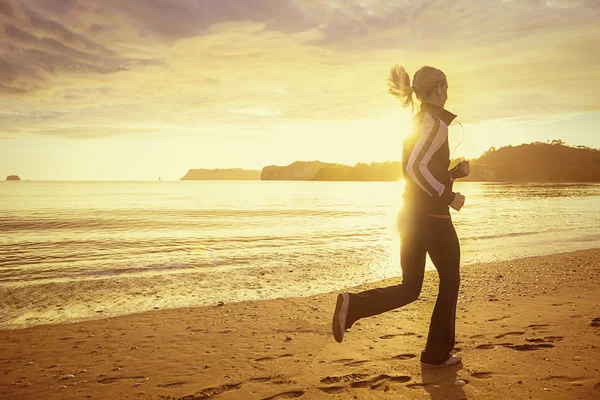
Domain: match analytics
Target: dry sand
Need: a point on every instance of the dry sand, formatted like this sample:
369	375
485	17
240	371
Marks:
526	329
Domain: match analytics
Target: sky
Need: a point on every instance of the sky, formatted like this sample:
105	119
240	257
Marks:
137	89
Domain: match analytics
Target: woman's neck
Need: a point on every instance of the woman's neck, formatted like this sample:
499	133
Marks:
435	102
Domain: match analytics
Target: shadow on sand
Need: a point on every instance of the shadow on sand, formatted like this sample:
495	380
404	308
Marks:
440	383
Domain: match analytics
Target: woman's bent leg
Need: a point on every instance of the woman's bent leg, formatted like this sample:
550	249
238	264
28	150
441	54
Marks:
412	261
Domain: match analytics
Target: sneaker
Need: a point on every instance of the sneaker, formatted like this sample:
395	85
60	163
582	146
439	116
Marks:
453	360
338	326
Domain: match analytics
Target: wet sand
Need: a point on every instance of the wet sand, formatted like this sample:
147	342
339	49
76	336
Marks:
526	328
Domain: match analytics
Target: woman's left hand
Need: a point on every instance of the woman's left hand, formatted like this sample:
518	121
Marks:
461	170
464	168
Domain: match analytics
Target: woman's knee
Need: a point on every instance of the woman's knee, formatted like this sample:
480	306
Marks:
412	289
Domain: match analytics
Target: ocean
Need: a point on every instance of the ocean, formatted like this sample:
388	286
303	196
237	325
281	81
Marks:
72	251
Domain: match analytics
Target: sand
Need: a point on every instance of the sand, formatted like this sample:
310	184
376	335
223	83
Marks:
526	329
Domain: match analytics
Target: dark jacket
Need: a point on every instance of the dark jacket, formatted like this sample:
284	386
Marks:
425	162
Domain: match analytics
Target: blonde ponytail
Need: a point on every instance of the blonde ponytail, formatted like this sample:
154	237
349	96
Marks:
426	79
399	86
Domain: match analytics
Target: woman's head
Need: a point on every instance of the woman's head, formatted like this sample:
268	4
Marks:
429	85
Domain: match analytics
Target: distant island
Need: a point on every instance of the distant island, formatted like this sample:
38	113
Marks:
534	162
221	174
537	162
320	171
552	161
297	171
13	178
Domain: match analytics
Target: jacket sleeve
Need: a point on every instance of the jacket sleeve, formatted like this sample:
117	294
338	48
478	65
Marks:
432	136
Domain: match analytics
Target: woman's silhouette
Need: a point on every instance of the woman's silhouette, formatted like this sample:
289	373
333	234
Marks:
424	223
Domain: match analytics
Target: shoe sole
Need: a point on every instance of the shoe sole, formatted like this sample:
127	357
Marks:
341	306
442	365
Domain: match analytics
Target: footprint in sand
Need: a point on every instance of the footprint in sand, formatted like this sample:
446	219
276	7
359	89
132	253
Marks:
331	379
380	380
285	395
518	347
333	389
563	378
537	326
118	378
372	383
509	334
171	385
209	393
403	357
283	382
260	380
389	336
356	363
497	319
342	360
416	385
271	358
335	379
490	346
545	339
265	359
530	347
595	323
481	375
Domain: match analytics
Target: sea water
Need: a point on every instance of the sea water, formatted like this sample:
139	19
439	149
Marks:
79	250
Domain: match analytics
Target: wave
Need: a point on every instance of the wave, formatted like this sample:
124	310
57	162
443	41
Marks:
124	220
504	235
138	270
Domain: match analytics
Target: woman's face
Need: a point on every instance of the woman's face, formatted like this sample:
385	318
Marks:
443	92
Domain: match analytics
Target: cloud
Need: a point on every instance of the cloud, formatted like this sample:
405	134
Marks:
196	16
258	111
67	35
58	7
172	20
87	132
93	68
11	90
38	48
439	25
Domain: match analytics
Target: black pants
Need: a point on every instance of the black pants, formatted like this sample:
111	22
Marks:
420	234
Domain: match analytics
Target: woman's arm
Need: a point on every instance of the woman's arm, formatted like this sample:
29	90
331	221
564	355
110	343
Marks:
432	136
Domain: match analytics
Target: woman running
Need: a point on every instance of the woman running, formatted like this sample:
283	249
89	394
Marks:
424	223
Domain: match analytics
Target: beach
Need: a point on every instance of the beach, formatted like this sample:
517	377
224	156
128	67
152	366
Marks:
526	328
187	188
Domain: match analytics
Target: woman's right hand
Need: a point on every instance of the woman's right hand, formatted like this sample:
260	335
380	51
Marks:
458	202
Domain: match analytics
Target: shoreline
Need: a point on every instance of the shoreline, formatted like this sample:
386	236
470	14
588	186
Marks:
540	311
106	296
